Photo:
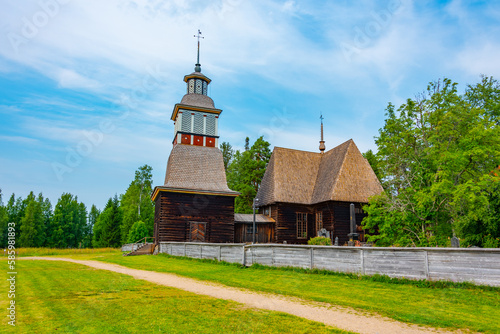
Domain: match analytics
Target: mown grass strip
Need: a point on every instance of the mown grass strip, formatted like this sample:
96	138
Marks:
70	298
447	305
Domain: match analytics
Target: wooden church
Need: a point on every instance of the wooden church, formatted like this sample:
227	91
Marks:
305	192
301	192
195	203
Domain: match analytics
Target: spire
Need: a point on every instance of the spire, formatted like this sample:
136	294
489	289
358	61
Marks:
321	142
197	67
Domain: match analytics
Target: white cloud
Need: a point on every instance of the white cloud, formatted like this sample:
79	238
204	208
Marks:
480	59
282	54
70	79
19	139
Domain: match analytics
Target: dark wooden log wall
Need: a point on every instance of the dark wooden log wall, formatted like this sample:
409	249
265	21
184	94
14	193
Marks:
265	233
175	211
336	220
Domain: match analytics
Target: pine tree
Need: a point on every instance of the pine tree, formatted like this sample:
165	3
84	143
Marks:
89	228
15	211
46	207
107	227
227	153
4	219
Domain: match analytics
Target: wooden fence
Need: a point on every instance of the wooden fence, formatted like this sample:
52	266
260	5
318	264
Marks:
480	266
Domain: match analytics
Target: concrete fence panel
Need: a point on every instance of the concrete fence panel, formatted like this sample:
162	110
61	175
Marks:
480	266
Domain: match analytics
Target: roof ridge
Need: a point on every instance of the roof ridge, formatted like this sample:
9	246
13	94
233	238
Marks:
319	186
293	149
337	177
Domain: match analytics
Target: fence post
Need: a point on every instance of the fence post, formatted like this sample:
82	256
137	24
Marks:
426	269
243	259
220	252
201	252
184	249
362	261
311	254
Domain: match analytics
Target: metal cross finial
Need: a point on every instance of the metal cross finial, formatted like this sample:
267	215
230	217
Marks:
198	66
322	141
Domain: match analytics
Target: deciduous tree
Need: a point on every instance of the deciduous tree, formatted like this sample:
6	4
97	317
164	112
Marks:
136	203
436	155
33	222
137	232
246	171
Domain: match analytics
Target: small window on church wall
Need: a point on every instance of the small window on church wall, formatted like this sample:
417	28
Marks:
301	225
319	221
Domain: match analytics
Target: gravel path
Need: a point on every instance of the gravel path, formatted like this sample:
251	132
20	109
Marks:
339	317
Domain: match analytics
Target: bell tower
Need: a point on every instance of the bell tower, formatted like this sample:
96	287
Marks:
196	117
195	204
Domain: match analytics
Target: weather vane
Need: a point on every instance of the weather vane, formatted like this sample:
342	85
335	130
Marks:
321	118
198	66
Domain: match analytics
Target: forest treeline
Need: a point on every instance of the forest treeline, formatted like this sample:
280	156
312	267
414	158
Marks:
438	160
125	218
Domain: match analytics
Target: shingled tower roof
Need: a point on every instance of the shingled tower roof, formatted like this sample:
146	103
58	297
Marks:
341	174
196	168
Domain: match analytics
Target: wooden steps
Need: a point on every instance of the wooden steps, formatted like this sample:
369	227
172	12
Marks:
144	249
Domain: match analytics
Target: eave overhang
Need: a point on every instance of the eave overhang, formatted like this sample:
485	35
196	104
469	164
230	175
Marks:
196	76
159	189
188	107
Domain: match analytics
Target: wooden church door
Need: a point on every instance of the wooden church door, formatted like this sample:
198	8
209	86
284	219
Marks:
197	232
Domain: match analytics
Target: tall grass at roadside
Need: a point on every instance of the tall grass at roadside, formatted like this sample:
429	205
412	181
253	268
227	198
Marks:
32	251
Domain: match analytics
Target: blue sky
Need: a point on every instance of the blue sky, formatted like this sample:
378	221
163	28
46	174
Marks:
87	87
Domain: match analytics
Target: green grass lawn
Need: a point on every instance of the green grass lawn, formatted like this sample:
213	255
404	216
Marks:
474	308
61	297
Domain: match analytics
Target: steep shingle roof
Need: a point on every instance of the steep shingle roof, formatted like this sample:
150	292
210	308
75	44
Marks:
341	174
196	168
